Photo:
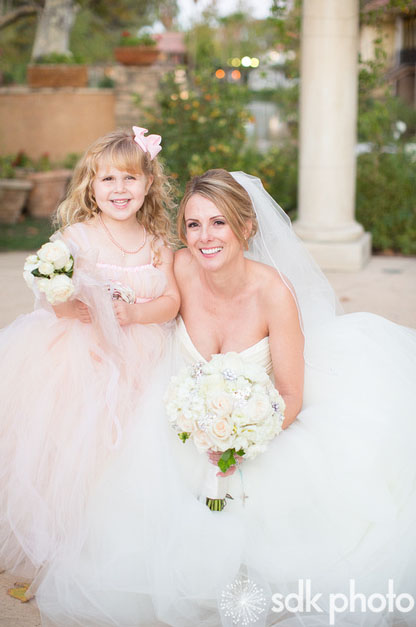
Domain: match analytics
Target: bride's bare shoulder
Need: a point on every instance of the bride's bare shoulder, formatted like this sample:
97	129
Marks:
275	288
182	260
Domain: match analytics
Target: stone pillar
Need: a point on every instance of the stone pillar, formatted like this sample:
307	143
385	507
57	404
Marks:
328	116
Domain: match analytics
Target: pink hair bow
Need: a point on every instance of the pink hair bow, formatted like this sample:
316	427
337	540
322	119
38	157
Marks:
150	144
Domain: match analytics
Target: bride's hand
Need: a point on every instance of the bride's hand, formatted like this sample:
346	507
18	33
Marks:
214	457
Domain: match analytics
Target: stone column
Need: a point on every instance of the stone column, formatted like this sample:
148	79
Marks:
328	117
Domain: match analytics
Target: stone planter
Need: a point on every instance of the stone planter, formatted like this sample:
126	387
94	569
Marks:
57	75
13	195
47	192
137	55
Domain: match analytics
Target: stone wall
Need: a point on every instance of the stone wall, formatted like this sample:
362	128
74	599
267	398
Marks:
132	81
66	120
56	121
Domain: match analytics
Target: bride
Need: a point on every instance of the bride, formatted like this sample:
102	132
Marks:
320	529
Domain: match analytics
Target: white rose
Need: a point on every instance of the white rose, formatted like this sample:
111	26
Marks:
46	268
43	285
56	253
32	259
184	423
256	374
254	450
29	278
58	289
201	441
221	428
69	265
259	407
220	403
211	384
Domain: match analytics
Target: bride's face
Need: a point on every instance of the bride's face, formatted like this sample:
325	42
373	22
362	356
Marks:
209	237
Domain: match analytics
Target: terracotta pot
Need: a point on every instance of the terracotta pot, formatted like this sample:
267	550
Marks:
13	194
137	55
47	192
57	75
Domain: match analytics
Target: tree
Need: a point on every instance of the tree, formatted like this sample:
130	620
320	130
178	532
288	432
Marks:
56	18
54	28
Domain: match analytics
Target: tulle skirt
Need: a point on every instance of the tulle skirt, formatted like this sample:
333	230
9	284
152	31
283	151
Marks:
329	509
68	393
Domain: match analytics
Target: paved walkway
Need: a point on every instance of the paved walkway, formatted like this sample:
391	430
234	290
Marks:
387	286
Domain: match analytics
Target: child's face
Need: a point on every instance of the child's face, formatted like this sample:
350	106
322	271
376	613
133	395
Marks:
119	194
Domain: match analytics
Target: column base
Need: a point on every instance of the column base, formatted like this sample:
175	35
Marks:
347	256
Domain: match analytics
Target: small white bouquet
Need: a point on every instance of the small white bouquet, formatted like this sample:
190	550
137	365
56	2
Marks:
225	405
51	271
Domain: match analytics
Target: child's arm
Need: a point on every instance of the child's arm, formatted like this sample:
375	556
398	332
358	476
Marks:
158	310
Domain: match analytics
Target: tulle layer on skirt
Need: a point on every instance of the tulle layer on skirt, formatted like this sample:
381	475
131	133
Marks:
330	507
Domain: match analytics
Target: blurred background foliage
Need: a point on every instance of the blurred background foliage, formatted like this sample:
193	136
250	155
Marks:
205	122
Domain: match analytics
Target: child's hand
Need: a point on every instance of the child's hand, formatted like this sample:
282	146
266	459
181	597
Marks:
73	309
81	311
125	313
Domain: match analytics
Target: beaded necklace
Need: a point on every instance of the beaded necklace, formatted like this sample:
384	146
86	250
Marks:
123	250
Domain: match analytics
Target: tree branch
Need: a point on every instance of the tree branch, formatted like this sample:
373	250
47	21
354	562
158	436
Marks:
17	14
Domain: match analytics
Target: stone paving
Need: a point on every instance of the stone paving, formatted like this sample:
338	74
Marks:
387	286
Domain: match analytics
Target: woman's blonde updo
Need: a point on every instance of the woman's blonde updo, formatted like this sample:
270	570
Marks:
118	149
228	196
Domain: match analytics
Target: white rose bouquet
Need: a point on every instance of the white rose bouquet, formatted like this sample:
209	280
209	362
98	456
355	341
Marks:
51	271
225	405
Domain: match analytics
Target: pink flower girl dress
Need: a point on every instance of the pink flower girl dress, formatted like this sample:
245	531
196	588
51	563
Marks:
69	391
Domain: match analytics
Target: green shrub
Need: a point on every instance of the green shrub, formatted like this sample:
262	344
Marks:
202	123
386	200
57	58
127	39
7	168
278	171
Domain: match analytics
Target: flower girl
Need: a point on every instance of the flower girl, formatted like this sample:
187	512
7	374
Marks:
73	371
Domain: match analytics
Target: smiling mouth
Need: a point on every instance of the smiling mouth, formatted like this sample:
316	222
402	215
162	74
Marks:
211	251
120	202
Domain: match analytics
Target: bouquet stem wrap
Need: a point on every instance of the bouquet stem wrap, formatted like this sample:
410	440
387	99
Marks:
215	489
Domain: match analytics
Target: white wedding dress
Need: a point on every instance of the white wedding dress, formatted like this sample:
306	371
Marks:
333	499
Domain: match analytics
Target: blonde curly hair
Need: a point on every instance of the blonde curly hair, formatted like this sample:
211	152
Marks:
121	151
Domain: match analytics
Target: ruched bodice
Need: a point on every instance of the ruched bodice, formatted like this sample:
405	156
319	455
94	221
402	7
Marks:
258	353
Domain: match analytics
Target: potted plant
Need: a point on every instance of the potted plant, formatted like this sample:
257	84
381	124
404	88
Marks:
49	183
13	191
132	50
57	70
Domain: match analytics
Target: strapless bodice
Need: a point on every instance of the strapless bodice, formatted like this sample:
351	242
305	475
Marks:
258	353
146	280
